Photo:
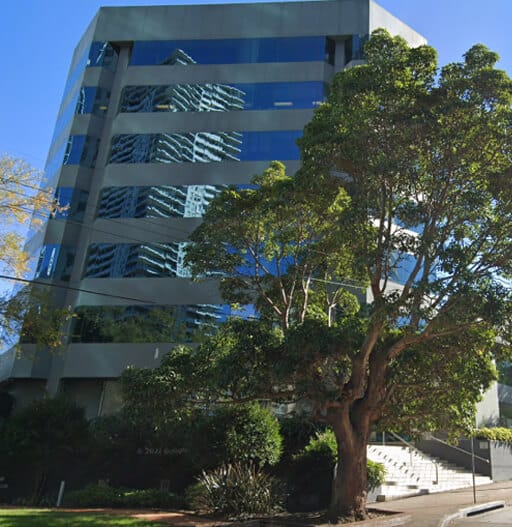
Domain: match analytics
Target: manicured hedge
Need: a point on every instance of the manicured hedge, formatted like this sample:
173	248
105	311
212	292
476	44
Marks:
494	434
106	496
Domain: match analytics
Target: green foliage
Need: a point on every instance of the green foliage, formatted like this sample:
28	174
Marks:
376	474
31	317
94	496
268	244
237	490
106	496
244	433
297	431
131	451
410	171
40	437
494	434
422	402
310	477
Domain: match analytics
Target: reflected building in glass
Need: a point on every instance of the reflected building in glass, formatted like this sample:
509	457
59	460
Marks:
156	119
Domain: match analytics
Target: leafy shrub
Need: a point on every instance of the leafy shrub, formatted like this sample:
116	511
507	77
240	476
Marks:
494	434
246	432
41	444
311	473
106	496
376	474
94	496
238	491
297	432
150	498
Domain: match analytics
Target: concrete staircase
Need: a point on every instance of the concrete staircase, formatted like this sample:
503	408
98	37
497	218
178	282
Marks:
410	472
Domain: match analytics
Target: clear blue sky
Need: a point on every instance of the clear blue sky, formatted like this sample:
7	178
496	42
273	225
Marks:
37	39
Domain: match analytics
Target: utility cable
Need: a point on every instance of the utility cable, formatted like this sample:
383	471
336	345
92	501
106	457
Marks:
71	288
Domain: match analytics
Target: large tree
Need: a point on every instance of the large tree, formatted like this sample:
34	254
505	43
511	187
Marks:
403	199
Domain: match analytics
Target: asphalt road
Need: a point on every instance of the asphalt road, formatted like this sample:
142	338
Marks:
497	518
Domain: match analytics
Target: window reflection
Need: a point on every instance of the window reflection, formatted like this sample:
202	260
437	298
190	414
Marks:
205	147
147	323
186	201
354	47
93	100
229	51
222	97
103	54
126	260
99	54
75	201
55	261
81	150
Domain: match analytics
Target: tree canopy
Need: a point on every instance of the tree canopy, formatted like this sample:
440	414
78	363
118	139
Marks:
403	202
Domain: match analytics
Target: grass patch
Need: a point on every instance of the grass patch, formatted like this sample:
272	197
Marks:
50	518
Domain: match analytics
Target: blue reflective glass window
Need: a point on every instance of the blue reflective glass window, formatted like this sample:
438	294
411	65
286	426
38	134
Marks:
74	200
54	164
263	146
222	97
354	47
148	323
103	54
92	99
75	73
205	147
128	260
229	51
65	116
81	150
185	201
55	261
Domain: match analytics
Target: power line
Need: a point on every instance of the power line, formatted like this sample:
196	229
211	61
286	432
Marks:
71	288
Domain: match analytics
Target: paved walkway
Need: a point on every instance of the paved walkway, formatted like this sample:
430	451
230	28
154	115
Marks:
429	510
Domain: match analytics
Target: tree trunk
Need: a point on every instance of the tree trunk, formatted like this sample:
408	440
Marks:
349	488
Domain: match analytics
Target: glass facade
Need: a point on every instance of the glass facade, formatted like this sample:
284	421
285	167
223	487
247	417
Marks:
99	54
74	200
55	261
211	97
187	201
354	47
87	100
128	260
230	51
147	323
205	147
81	150
103	55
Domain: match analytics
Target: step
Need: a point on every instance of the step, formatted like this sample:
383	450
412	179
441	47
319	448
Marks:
410	473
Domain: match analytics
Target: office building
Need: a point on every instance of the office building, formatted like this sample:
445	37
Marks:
163	107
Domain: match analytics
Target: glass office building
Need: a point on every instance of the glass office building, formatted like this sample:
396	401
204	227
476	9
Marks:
164	107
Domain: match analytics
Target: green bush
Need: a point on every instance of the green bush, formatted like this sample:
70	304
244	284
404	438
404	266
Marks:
297	432
494	434
94	496
376	474
247	433
311	472
232	433
238	491
106	496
